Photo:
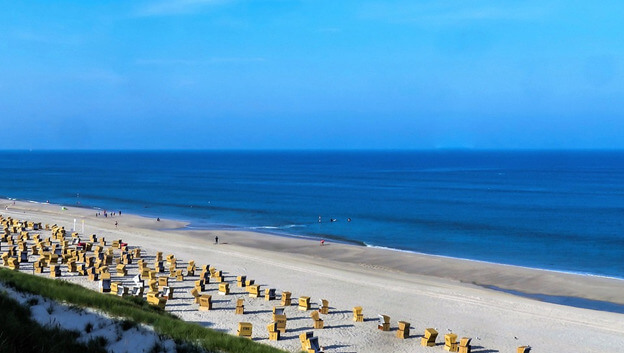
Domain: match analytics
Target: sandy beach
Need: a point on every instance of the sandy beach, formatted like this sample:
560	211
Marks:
426	291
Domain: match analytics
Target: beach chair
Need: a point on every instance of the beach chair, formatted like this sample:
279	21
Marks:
5	258
39	265
105	285
254	290
152	284
92	274
159	266
155	300
190	268
114	286
205	276
249	282
450	342
13	263
163	281
383	322
55	271
138	281
205	302
122	290
324	306
172	271
22	256
318	322
357	314
167	293
269	294
464	345
244	329
304	337
224	288
121	270
312	345
274	333
429	338
195	294
199	284
115	244
179	276
240	306
304	303
524	349
280	320
136	253
404	330
285	299
136	291
240	281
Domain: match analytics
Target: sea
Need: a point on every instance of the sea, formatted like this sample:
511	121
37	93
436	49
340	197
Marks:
554	210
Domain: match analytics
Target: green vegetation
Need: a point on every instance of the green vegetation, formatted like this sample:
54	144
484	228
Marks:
19	333
133	309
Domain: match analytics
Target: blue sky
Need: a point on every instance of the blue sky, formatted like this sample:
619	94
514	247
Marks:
278	74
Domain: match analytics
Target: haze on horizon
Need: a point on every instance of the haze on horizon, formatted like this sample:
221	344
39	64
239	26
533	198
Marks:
277	74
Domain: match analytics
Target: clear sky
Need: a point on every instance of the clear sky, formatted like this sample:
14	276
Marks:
288	74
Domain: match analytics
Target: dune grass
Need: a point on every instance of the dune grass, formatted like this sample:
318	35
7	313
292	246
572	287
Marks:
134	309
19	333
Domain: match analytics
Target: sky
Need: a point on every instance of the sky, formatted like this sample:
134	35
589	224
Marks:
289	74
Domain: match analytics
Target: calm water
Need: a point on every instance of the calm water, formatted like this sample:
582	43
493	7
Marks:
553	210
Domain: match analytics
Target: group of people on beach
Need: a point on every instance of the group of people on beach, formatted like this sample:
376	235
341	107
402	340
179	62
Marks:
112	214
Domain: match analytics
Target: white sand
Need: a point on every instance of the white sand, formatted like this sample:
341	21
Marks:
426	291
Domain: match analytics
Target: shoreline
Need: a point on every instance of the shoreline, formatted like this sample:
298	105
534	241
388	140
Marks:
419	289
509	278
193	227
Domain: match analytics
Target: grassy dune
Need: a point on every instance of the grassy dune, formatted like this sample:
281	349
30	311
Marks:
130	308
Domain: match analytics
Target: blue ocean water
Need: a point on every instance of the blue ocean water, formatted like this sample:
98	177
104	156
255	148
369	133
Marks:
559	210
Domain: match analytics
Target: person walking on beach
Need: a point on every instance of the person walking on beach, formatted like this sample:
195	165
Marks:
115	224
217	239
322	242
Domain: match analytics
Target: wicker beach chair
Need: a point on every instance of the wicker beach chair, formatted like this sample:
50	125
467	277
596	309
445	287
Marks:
244	329
429	338
383	323
317	321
